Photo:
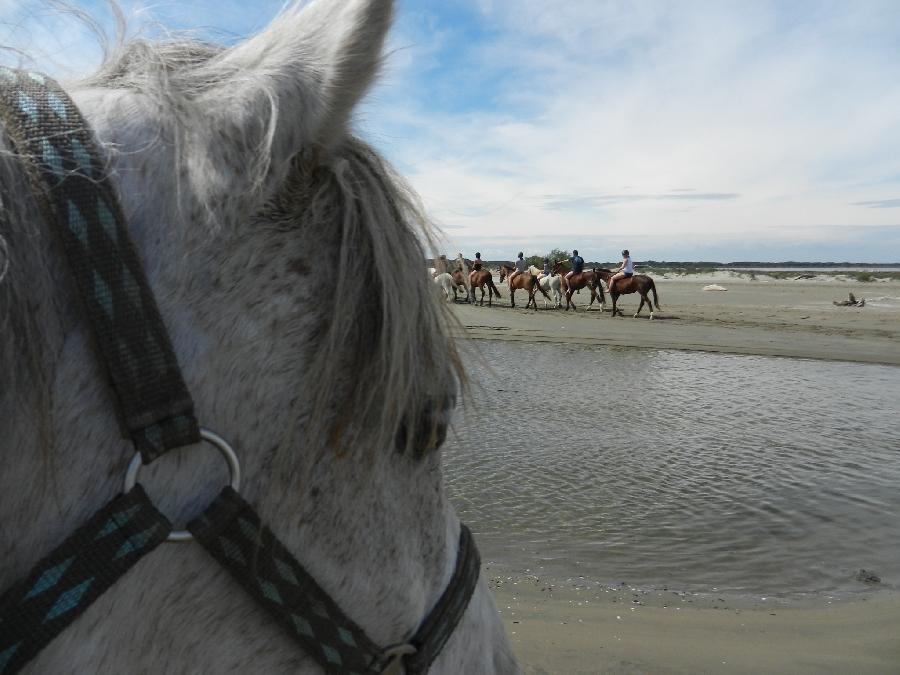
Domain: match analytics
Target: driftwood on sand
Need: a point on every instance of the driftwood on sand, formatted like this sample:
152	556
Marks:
851	302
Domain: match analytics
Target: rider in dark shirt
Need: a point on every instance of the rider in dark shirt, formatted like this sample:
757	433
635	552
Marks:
577	264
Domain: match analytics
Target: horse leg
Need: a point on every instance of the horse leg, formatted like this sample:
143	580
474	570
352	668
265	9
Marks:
512	296
649	304
640	307
538	287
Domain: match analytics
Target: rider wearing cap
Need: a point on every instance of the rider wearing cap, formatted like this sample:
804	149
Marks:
626	269
476	265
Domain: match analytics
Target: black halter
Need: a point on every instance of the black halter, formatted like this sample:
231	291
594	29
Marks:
156	411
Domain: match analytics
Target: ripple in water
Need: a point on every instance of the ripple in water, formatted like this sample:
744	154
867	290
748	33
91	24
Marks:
677	469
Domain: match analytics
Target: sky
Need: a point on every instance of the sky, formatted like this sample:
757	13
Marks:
681	130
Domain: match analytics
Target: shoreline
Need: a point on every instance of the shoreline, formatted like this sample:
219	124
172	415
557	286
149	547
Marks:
563	629
783	318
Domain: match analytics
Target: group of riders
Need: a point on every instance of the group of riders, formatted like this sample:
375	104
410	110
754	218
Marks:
625	270
556	277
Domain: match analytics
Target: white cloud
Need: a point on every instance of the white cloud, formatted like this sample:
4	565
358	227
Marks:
798	116
522	129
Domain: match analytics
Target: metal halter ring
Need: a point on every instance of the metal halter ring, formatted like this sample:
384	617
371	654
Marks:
234	471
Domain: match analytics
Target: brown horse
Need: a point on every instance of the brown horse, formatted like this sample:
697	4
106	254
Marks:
459	282
639	283
527	281
479	279
587	279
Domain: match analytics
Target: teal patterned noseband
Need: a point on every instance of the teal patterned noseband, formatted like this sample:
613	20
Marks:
72	187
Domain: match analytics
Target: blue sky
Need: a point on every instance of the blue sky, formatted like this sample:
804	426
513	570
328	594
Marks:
680	130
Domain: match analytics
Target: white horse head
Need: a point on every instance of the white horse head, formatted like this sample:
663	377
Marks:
278	249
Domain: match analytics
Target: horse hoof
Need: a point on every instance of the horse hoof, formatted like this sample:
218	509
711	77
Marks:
651	317
634	316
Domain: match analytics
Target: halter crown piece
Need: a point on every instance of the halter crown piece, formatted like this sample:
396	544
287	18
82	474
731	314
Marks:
78	200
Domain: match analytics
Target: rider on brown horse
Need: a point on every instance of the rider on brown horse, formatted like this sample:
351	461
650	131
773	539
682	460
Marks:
521	266
571	283
626	269
476	267
577	265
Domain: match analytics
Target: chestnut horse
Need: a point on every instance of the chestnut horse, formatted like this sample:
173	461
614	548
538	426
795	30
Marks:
459	282
587	279
479	279
639	283
527	281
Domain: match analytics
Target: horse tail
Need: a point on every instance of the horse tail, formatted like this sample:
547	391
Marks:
655	298
490	281
599	286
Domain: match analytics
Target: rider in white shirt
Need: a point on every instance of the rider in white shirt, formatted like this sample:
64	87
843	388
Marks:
626	269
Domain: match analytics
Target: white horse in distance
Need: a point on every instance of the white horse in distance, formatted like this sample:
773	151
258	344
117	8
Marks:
444	281
549	284
238	175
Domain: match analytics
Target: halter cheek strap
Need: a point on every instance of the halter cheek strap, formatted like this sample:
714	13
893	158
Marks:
77	198
74	191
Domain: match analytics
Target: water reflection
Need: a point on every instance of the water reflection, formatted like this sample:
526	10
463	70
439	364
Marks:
679	469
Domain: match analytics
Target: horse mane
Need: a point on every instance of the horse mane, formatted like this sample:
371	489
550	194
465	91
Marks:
394	330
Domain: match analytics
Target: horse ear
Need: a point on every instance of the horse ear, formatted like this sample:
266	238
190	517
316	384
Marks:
316	61
290	88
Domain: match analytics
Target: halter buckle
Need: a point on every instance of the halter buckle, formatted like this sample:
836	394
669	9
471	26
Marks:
392	658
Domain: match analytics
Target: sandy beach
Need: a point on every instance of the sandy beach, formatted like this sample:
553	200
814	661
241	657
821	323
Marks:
576	631
765	316
572	629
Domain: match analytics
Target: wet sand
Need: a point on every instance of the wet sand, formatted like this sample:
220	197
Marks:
572	631
769	317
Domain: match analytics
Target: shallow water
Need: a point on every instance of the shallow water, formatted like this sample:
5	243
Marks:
682	470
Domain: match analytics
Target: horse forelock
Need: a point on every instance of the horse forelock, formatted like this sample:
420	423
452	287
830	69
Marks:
394	344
